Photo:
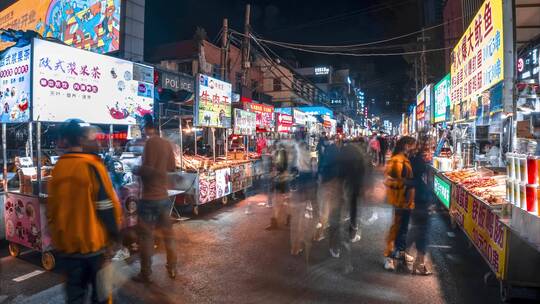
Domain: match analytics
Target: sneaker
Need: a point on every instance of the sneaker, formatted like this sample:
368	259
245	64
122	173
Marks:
335	253
407	257
121	255
357	237
389	264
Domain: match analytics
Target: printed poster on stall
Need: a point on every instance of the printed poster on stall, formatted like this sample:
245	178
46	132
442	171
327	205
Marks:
72	83
85	24
15	84
245	123
223	182
482	226
477	60
213	103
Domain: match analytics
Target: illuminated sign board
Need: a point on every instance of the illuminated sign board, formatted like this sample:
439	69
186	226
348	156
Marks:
421	104
442	99
15	84
316	110
442	190
245	123
284	122
73	83
477	61
527	66
265	114
92	25
322	71
213	102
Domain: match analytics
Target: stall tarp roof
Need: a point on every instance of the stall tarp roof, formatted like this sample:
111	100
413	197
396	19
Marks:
527	22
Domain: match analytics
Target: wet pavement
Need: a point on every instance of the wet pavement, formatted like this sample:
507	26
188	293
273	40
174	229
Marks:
227	256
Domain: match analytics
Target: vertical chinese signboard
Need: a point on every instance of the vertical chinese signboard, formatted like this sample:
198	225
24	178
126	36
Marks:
441	188
73	83
92	25
477	61
442	99
213	103
483	227
15	84
420	105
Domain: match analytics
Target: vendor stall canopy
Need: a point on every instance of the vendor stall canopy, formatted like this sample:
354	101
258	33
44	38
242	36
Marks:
527	23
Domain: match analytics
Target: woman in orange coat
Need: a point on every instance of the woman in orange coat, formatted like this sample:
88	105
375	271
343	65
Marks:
398	179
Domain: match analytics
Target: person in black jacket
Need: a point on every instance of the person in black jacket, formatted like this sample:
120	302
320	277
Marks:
420	214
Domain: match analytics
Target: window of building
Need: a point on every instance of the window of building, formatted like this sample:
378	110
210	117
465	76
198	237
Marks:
277	84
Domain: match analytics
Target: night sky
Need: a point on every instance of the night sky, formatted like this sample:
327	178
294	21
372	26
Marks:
307	21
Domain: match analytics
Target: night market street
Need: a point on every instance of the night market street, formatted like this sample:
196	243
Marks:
227	256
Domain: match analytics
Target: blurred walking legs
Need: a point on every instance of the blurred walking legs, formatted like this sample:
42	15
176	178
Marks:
152	215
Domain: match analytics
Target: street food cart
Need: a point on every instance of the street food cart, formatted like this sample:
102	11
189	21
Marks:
62	83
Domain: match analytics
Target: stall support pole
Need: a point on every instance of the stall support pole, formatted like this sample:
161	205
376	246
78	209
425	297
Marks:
181	138
214	144
159	119
194	137
111	131
38	147
4	156
246	138
226	143
30	141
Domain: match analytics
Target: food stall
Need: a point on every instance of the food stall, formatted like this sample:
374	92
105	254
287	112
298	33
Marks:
62	83
494	200
210	178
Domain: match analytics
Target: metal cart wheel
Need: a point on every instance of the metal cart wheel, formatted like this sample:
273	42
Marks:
14	249
506	292
225	200
196	210
48	261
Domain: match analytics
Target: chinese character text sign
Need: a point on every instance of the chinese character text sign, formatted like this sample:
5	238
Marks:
73	83
15	84
477	61
213	102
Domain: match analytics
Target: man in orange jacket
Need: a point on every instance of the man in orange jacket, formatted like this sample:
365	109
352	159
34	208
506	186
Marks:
83	212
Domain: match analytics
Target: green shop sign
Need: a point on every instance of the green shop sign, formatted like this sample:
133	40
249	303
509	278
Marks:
442	190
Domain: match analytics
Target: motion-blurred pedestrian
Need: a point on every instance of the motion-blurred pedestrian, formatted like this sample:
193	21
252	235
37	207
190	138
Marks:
420	214
374	149
400	194
83	212
155	205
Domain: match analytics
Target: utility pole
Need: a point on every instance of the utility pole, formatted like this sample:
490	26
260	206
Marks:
423	61
245	47
225	50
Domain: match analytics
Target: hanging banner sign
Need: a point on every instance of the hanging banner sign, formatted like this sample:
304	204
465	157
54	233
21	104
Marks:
15	84
265	115
442	99
73	83
245	123
213	102
477	61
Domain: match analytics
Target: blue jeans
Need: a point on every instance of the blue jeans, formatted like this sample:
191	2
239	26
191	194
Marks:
152	215
80	272
401	238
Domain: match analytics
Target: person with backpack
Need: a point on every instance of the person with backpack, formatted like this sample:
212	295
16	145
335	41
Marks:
83	212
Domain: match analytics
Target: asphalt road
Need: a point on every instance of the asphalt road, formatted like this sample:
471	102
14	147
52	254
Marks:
227	256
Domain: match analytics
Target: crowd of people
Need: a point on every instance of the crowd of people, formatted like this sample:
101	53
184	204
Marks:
316	197
323	200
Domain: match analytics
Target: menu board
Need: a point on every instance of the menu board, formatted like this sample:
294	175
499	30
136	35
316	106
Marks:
244	122
72	83
213	103
15	84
